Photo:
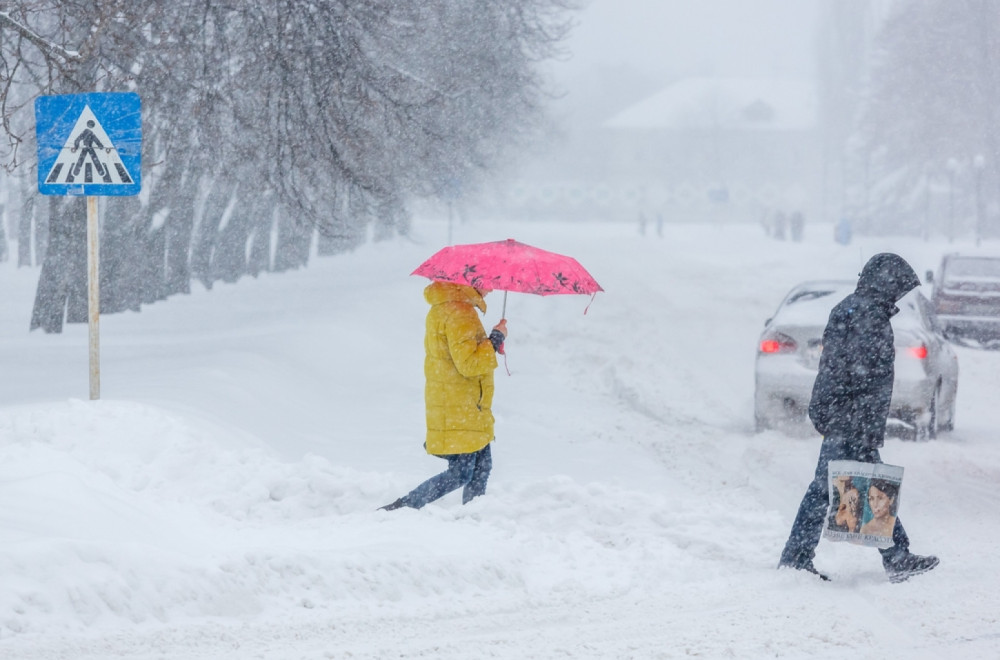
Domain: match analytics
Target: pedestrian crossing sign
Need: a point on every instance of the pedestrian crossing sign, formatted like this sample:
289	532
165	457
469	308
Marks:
89	144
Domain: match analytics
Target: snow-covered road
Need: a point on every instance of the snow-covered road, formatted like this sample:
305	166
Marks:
219	501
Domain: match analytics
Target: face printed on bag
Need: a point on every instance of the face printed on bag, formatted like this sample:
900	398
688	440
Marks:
848	513
879	503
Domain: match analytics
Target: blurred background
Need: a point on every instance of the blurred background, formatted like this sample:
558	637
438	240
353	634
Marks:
273	133
878	114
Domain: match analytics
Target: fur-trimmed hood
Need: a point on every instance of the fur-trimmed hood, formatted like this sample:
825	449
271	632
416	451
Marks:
440	292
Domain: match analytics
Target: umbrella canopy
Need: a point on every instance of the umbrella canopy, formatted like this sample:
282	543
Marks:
509	266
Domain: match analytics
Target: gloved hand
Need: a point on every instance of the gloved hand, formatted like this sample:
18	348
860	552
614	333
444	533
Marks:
498	334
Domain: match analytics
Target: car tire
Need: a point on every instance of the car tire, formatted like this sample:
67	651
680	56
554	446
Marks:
929	430
949	424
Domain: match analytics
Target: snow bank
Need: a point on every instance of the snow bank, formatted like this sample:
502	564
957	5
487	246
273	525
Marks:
220	500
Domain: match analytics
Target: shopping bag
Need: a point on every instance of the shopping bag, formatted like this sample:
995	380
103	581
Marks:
864	502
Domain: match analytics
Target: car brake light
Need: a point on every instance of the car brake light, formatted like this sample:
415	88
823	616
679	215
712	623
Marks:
919	352
948	306
777	343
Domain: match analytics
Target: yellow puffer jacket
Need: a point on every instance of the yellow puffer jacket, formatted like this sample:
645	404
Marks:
458	366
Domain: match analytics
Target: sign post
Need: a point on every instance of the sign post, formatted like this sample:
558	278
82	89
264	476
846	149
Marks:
93	298
90	145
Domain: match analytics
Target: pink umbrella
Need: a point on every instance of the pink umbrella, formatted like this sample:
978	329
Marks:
509	266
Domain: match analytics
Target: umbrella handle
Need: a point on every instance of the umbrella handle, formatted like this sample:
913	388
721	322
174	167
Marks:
503	314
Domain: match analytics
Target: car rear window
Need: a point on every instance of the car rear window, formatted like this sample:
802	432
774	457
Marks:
810	304
956	269
803	296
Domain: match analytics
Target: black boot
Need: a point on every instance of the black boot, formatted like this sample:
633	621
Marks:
398	504
803	565
900	567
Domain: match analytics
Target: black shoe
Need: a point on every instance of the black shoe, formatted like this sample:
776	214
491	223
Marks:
902	567
805	565
398	504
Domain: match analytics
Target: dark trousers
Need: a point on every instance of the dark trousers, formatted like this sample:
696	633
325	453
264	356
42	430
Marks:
468	470
808	525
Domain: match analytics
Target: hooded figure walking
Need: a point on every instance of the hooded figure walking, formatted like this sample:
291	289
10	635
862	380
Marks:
850	406
458	394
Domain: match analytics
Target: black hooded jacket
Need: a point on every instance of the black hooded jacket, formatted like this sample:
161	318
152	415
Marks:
850	398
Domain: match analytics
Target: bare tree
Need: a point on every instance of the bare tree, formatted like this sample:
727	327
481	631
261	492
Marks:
930	117
296	117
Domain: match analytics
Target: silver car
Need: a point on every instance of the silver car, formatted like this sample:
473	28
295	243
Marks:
923	394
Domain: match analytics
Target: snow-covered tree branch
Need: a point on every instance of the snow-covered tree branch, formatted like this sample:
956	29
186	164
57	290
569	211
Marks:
314	117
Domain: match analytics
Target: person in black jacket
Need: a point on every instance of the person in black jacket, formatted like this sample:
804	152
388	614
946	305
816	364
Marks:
850	405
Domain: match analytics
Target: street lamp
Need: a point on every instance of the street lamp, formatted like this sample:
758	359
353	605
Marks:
927	201
952	166
979	163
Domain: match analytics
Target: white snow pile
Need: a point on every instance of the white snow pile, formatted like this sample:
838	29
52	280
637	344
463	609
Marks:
219	500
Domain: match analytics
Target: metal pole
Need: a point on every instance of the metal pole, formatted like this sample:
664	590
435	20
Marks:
927	203
503	314
952	166
93	298
951	206
449	222
979	163
979	207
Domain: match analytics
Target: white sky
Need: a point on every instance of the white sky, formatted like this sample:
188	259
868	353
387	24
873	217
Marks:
665	38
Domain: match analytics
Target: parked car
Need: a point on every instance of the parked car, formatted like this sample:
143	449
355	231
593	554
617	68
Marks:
967	299
926	368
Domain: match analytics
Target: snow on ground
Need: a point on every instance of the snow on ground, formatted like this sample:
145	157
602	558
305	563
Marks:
219	500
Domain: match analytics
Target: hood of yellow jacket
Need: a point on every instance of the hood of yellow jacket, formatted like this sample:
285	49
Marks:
440	292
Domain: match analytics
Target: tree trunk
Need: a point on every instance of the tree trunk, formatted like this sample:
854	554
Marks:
229	261
122	270
4	249
260	240
207	233
26	238
178	231
344	228
62	285
294	241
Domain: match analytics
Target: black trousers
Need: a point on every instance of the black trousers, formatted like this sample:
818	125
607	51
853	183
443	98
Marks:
468	470
808	525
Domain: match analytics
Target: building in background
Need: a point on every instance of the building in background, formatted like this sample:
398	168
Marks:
702	149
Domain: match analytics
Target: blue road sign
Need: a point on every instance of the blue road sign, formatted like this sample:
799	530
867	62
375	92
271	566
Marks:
89	144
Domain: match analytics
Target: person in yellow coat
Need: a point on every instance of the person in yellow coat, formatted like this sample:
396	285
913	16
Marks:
458	393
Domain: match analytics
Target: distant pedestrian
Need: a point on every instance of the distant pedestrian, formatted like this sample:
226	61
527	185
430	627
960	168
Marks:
458	393
842	231
765	222
797	225
780	224
850	406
